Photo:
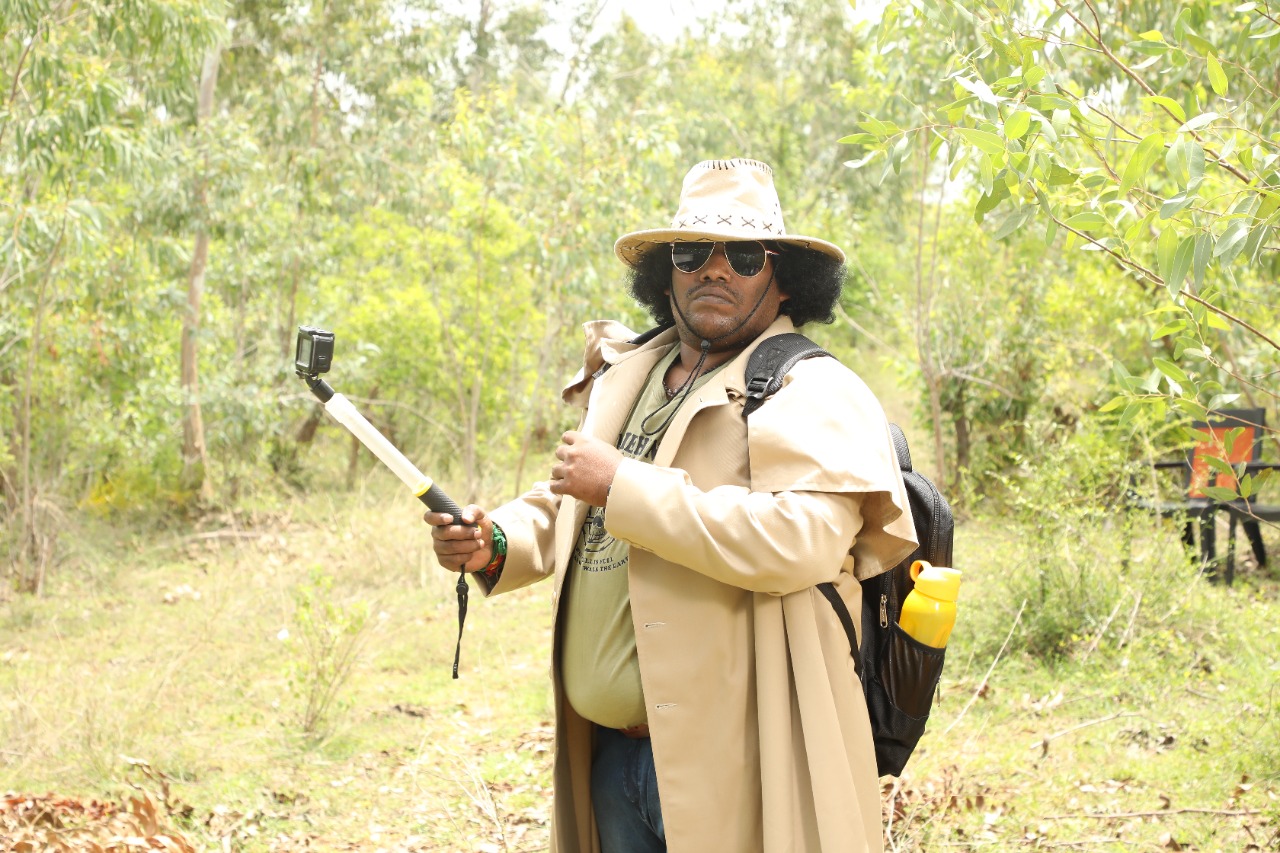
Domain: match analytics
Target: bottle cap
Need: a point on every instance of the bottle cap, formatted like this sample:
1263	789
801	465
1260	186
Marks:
936	581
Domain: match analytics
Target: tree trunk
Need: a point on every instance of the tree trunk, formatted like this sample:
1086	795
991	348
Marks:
32	555
194	456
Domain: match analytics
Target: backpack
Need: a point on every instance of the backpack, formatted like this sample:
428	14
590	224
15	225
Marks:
899	674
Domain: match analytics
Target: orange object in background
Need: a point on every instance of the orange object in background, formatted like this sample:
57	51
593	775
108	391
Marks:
1240	450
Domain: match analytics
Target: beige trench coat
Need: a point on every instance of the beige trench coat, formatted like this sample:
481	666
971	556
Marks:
760	733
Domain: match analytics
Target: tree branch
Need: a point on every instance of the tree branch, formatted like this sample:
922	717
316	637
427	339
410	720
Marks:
1044	742
1229	316
1133	75
17	78
1164	813
1154	278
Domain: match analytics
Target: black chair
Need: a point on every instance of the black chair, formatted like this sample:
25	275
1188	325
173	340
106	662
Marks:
1201	478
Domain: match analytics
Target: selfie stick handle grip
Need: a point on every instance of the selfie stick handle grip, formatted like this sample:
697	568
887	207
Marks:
437	501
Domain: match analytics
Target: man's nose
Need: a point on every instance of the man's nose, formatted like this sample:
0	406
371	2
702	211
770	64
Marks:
718	264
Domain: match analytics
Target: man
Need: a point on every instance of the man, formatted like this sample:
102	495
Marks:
705	693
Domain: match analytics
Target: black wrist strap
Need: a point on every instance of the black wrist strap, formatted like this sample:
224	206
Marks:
462	618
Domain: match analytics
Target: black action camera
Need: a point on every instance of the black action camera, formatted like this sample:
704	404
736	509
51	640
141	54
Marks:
315	351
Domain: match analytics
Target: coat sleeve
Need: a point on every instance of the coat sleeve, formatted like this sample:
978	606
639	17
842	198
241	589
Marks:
529	525
824	484
759	541
825	431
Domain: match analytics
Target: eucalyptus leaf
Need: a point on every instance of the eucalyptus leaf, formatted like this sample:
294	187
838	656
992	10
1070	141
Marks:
1198	122
1140	162
1180	266
1217	77
899	152
1113	404
988	143
1231	241
1200	259
1173	206
980	90
1086	221
1221	493
865	159
1174	108
1017	124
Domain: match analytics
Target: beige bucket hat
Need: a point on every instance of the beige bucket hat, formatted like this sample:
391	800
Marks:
723	200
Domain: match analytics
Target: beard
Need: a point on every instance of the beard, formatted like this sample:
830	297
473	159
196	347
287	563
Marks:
726	333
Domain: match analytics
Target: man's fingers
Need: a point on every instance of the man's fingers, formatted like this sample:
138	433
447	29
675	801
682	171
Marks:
455	533
445	548
471	515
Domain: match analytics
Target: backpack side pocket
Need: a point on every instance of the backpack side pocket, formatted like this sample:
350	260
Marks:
899	696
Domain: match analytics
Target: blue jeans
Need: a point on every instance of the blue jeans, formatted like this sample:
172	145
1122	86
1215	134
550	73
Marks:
624	794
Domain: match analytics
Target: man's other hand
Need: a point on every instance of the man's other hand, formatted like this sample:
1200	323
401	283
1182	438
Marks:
586	468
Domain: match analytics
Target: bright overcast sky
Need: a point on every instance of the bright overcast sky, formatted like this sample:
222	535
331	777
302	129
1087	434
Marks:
671	17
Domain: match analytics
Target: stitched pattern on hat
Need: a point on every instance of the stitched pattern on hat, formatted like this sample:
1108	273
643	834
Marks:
724	165
731	221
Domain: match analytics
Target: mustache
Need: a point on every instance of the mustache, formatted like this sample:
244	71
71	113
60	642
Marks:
720	289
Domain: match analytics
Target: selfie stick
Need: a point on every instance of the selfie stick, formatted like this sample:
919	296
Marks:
420	484
314	356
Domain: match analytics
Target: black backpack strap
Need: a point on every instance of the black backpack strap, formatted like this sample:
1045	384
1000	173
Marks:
766	368
769	364
900	447
828	589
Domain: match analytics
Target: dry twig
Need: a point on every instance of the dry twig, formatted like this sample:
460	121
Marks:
982	686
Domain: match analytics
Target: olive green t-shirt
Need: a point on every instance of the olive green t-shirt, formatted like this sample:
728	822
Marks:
598	655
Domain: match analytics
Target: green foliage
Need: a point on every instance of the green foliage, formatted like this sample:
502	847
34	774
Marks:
1073	569
1139	133
449	214
328	640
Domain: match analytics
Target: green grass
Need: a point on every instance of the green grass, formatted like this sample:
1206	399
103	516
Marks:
165	650
1157	729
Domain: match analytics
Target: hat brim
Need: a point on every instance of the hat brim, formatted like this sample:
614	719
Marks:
630	248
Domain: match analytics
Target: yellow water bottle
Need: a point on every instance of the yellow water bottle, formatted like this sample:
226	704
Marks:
929	612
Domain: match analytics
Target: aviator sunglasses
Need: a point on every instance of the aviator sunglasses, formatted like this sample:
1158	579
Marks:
746	257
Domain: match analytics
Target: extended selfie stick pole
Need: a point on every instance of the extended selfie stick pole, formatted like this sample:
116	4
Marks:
315	353
345	413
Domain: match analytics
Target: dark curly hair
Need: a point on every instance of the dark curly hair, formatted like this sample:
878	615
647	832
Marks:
812	281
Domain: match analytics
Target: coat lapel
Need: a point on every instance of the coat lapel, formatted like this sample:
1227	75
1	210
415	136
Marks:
714	393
